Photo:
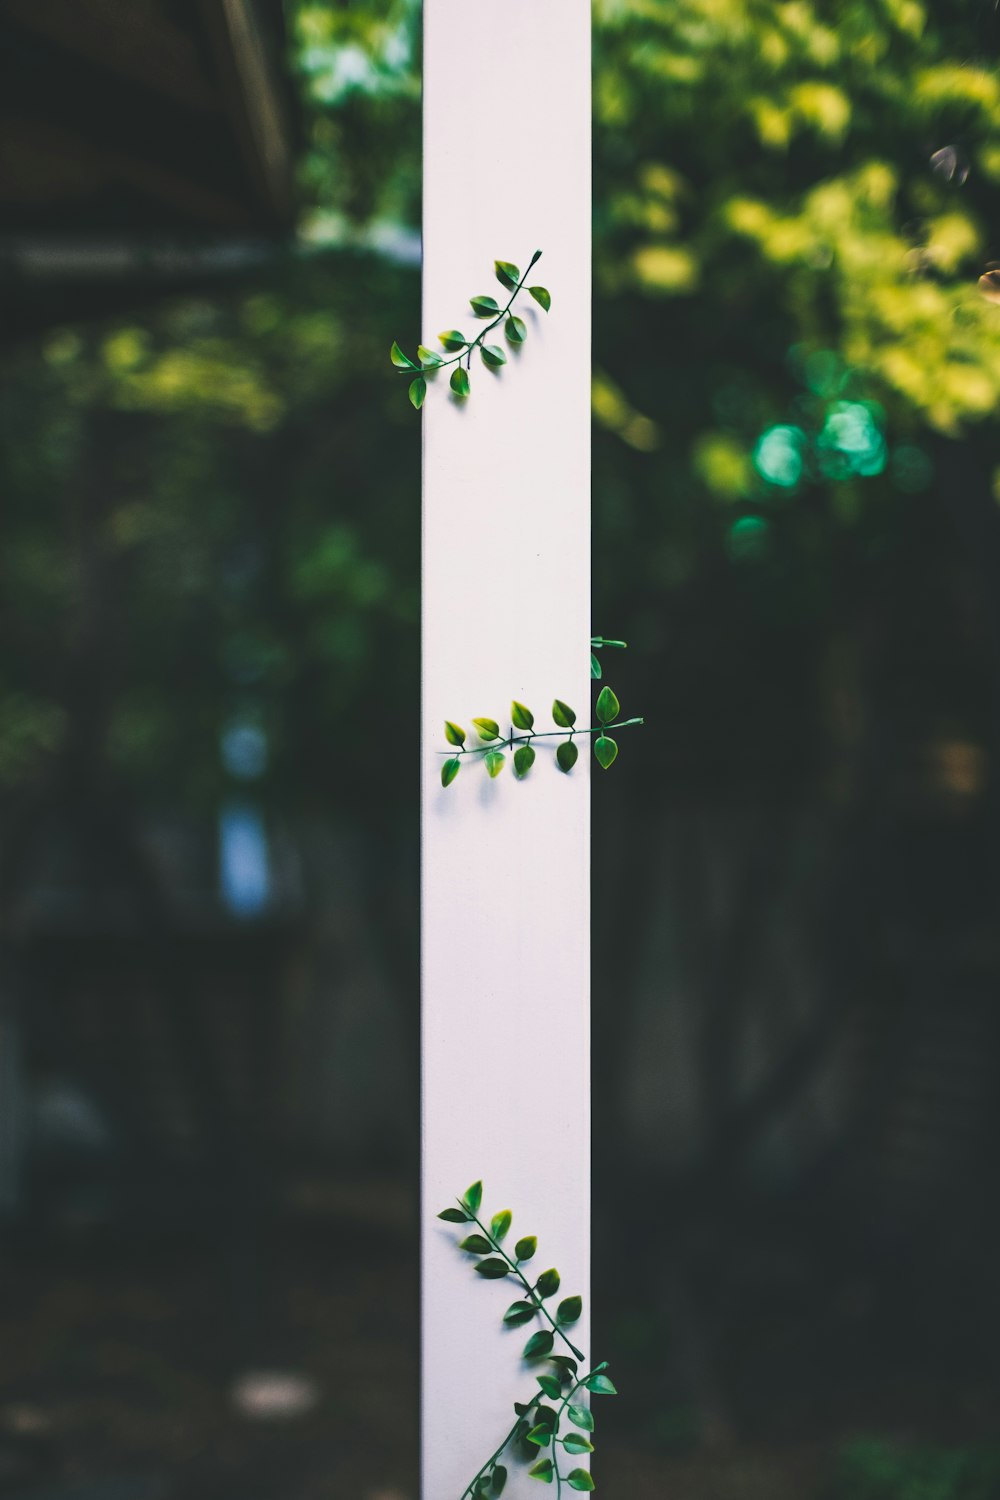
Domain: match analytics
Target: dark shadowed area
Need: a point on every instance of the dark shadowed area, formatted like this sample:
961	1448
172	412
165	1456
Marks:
209	606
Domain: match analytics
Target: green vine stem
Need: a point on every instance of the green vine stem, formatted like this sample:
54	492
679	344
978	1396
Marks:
539	1424
521	744
428	361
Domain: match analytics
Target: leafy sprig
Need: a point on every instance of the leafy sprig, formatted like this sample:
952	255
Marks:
536	1436
461	349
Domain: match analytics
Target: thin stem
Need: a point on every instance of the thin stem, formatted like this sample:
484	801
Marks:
477	342
490	1462
536	1302
548	734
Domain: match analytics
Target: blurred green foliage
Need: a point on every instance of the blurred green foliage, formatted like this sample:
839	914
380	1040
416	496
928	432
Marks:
870	1469
212	508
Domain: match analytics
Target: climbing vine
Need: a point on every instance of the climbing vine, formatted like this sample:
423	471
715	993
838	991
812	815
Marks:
554	1424
461	349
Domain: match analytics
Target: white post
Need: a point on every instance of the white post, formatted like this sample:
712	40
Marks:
506	614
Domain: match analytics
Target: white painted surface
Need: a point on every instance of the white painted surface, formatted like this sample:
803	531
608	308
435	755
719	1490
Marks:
506	614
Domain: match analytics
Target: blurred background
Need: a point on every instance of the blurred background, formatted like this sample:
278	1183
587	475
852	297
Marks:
209	548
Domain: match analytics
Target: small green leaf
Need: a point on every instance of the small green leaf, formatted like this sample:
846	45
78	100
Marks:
493	760
524	759
567	755
551	1386
542	1470
567	1367
522	717
400	360
595	666
607	707
540	1436
454	1216
579	1479
493	1269
507	275
563	715
499	1224
484	307
459	381
487	729
605	750
539	1344
473	1197
542	296
476	1244
525	1249
600	1385
569	1310
546	1417
581	1416
449	771
454	733
499	1479
429	358
493	355
548	1283
574	1442
417	392
515	330
518	1312
453	340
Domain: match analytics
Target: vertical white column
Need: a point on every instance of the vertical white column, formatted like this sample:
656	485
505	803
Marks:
506	614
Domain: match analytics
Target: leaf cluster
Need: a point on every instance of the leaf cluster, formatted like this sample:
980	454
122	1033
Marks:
562	1388
455	343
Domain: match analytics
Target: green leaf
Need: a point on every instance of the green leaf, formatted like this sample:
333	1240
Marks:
540	1436
522	717
493	1269
607	707
453	340
515	329
542	1470
454	733
546	1417
548	1283
484	307
574	1442
595	666
524	759
493	760
487	729
525	1249
429	358
400	360
449	771
567	755
551	1386
454	1216
563	715
518	1312
581	1416
473	1197
476	1244
507	275
459	381
579	1479
567	1367
539	1344
600	1385
493	355
569	1310
417	392
605	750
500	1223
499	1479
542	296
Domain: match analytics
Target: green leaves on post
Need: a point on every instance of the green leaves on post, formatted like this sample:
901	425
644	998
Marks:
575	1442
460	349
539	1345
472	1198
542	1470
494	760
475	1244
580	1479
524	759
450	770
454	733
521	717
581	1416
499	1225
487	729
563	715
519	1312
600	1385
494	1269
525	1249
569	1310
454	1216
567	756
548	1283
